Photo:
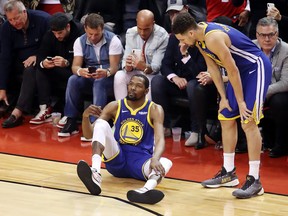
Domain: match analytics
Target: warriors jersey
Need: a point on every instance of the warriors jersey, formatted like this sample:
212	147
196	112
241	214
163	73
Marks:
134	129
243	50
254	67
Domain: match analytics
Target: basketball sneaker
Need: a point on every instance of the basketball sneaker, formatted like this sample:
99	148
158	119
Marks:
62	122
90	177
43	116
143	195
252	187
222	179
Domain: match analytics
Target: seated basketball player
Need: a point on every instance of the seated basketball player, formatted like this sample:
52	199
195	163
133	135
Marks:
135	148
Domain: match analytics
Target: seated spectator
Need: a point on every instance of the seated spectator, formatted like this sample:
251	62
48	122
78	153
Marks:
21	36
97	56
110	10
239	15
134	149
180	66
54	61
50	6
275	125
144	50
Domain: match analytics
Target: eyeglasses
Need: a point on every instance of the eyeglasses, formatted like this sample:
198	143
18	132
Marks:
269	35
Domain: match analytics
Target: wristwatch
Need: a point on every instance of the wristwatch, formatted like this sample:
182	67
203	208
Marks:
67	63
185	55
108	72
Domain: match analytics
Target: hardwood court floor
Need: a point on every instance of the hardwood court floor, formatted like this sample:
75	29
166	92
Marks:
50	186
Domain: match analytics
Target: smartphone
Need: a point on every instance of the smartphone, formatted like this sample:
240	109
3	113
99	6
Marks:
270	5
91	69
49	58
137	53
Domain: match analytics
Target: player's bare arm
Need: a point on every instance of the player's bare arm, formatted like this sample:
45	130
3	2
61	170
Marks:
109	111
87	127
157	119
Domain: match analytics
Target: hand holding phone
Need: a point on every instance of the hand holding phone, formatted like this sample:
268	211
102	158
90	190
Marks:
91	69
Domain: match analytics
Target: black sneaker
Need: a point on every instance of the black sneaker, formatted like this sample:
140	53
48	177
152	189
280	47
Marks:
70	128
222	179
251	188
12	121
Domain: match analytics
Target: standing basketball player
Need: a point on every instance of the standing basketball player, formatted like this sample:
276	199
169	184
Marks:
249	73
129	152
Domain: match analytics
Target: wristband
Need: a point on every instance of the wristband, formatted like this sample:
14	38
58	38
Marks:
78	72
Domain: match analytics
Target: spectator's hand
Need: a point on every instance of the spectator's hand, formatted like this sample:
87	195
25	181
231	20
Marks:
243	18
59	61
92	110
34	4
48	64
274	13
224	103
99	73
30	61
138	63
245	114
3	96
84	72
157	167
180	82
204	78
128	65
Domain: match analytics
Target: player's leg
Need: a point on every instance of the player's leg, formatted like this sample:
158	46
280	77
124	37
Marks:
102	142
147	194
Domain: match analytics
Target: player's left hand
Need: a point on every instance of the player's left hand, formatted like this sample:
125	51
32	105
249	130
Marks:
224	103
244	112
157	167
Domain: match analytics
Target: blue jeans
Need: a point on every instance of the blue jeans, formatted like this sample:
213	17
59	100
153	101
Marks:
79	86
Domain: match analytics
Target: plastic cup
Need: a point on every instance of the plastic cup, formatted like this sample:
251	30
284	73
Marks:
176	134
56	116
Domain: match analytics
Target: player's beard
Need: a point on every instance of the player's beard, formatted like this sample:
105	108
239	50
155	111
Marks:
131	98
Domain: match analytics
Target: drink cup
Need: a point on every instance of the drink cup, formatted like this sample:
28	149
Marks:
176	133
56	116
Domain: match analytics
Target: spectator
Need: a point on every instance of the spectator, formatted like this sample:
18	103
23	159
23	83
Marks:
144	50
21	37
51	6
134	149
275	125
58	45
101	51
180	66
219	8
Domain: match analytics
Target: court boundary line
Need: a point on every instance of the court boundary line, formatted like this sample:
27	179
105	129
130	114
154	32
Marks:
178	179
79	192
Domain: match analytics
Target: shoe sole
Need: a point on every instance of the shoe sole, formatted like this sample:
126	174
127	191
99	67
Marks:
149	197
38	123
260	193
67	134
233	183
85	174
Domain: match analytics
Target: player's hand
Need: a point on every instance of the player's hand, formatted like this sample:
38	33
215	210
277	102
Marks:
224	103
180	82
245	113
157	167
92	110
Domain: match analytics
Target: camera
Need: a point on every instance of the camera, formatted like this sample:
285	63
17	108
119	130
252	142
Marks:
91	69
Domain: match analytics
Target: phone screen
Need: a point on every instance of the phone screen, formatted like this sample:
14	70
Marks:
91	69
49	58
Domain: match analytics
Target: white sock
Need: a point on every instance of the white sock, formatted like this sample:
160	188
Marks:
96	162
229	161
150	184
254	168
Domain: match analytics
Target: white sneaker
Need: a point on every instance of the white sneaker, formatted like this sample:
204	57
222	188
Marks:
62	122
43	116
192	140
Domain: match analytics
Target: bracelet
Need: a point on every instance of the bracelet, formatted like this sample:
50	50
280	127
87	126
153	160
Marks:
78	72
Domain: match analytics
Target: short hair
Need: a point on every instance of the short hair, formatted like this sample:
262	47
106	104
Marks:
183	22
267	21
59	21
11	5
146	80
94	21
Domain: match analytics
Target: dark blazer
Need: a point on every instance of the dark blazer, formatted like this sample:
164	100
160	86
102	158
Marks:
172	63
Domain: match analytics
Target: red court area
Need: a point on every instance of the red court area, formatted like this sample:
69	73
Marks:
41	141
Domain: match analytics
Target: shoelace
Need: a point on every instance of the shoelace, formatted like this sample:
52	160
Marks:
41	113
